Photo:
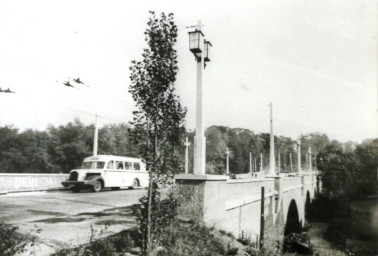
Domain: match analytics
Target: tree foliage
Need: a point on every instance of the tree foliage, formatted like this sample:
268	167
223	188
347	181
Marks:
346	174
158	124
61	148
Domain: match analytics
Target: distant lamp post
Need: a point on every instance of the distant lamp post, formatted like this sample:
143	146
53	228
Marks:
227	161
272	163
201	50
187	144
309	159
291	163
299	156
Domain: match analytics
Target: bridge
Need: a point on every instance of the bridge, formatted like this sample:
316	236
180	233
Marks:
249	207
254	208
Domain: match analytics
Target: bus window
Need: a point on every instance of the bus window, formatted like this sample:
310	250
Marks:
119	165
111	165
136	166
93	165
128	166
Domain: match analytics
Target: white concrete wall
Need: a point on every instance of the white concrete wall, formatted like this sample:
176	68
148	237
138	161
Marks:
234	205
17	182
243	206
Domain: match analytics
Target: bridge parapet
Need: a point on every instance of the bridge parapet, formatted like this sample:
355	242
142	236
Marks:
242	192
235	204
18	182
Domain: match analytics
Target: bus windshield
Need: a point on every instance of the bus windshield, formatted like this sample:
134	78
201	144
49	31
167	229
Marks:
93	165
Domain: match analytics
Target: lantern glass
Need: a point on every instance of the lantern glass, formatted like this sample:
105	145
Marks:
195	41
207	50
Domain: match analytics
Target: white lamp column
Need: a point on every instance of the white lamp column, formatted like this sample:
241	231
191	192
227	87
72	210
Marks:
95	138
272	162
309	159
201	50
299	157
227	161
187	144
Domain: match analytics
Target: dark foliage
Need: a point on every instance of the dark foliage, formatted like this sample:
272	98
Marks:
11	242
297	243
59	149
348	175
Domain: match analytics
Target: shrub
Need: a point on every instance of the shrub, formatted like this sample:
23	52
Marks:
11	242
297	243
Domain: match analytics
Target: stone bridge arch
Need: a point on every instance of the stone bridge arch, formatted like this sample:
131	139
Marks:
293	222
307	203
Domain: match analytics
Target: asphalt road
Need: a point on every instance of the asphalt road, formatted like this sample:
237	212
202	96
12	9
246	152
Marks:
65	217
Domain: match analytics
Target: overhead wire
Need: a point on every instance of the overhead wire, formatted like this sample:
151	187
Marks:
100	93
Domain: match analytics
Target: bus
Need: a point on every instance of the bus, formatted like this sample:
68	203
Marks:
108	171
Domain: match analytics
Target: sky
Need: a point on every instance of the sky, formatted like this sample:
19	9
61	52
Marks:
316	61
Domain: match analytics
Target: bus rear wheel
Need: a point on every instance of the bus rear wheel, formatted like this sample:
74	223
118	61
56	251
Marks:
97	186
135	184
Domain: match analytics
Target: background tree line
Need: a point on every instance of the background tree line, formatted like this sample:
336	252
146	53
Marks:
59	149
62	148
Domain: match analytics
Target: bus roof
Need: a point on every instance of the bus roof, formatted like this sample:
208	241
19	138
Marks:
111	157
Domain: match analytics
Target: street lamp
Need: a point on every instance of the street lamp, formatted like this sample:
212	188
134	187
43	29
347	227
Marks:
207	46
201	50
195	43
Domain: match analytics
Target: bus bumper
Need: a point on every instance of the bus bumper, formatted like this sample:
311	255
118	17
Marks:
76	184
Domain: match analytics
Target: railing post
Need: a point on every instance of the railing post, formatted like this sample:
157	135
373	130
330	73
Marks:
262	217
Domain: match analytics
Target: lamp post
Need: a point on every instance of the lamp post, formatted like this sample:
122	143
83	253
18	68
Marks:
95	138
309	159
299	156
187	144
227	162
201	50
279	160
272	163
291	163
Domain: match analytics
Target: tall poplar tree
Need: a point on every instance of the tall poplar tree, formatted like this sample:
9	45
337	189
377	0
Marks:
158	124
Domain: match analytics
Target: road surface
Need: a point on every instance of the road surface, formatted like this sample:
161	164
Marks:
65	217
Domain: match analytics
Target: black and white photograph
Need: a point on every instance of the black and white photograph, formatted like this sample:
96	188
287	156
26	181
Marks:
188	128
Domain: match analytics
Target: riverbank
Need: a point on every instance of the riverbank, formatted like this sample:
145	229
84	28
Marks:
321	246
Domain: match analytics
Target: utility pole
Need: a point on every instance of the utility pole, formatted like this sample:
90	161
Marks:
250	162
187	144
272	163
227	161
95	138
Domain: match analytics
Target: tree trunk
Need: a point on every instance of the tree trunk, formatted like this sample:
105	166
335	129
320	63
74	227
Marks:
150	189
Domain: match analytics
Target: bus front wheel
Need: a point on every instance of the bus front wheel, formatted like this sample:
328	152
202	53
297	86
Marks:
97	186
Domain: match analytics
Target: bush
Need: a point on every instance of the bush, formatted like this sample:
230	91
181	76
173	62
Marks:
11	242
297	243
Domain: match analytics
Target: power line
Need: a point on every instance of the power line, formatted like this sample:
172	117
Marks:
101	93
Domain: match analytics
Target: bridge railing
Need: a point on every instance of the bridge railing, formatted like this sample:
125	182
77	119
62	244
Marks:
22	182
